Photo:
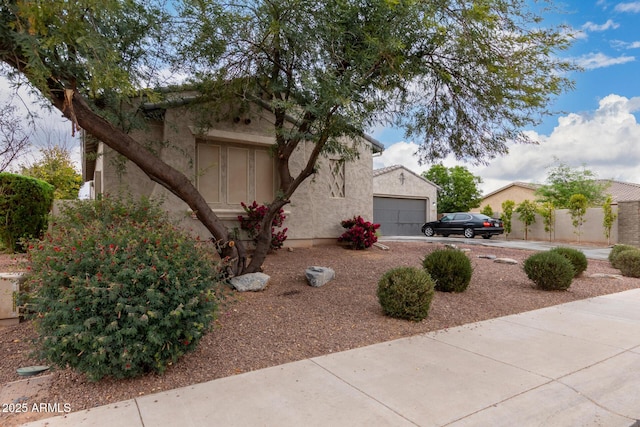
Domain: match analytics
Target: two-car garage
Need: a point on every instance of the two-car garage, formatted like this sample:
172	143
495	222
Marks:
402	201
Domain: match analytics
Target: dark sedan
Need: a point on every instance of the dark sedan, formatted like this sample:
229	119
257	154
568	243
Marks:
467	224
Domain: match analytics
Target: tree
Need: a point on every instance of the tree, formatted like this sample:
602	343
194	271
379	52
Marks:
564	181
464	80
507	214
458	188
56	168
608	218
14	140
487	210
578	204
548	213
527	214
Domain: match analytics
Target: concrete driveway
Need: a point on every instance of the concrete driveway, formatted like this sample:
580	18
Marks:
591	252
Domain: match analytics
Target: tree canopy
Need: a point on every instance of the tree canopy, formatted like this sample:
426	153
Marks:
56	168
563	181
458	191
462	78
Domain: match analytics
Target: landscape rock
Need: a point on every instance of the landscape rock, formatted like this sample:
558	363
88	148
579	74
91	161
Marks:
606	276
381	246
487	256
506	261
250	282
318	276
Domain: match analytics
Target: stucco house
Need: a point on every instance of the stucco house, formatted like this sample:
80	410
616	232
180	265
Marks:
516	191
402	201
230	162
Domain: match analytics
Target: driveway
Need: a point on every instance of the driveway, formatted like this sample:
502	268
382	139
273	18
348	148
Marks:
591	252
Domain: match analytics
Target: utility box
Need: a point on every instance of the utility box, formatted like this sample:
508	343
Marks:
9	288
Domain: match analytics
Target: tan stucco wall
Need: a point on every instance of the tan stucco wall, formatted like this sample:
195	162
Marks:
592	230
516	193
392	184
312	213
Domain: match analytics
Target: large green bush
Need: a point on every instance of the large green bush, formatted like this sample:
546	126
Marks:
118	290
25	204
406	293
629	263
450	269
577	259
616	251
549	270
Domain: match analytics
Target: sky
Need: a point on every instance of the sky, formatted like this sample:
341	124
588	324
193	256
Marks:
597	126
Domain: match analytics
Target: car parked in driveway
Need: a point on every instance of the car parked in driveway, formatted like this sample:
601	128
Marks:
467	224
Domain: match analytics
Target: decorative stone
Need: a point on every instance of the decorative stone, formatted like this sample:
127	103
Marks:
381	246
318	276
465	250
487	256
450	246
505	261
606	276
250	282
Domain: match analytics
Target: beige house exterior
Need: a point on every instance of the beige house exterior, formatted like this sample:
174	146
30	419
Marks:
231	163
516	191
402	201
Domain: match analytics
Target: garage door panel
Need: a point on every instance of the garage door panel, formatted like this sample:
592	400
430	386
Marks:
399	217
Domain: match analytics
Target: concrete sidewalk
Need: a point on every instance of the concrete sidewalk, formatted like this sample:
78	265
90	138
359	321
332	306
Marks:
576	364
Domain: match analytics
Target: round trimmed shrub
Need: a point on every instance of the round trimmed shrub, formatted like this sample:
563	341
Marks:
25	204
577	259
406	293
549	270
629	263
616	251
450	269
118	290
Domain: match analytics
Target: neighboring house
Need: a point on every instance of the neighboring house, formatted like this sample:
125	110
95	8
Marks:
231	163
621	191
516	191
402	201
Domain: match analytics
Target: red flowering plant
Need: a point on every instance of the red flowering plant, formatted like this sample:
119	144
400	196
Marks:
360	234
118	290
253	221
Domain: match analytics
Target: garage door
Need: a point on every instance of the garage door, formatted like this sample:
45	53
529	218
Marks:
399	217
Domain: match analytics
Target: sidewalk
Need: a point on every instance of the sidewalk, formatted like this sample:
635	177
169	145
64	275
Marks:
576	364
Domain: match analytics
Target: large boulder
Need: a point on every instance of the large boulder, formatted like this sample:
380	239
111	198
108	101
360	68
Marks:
318	276
250	282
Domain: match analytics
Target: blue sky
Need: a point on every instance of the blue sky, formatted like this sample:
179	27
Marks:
597	124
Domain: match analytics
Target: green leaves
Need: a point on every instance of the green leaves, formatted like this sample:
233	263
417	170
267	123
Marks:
459	188
101	302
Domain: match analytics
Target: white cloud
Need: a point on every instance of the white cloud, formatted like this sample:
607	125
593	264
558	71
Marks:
632	7
591	26
599	60
605	141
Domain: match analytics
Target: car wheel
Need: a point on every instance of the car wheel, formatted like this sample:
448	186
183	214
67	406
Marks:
428	231
486	236
468	233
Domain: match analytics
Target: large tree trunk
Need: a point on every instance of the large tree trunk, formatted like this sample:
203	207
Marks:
75	108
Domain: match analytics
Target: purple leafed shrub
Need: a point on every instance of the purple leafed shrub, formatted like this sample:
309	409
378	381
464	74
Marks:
253	220
360	234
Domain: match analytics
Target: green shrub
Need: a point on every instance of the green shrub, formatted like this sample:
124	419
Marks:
118	290
406	293
617	250
449	268
577	259
629	263
549	270
25	204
